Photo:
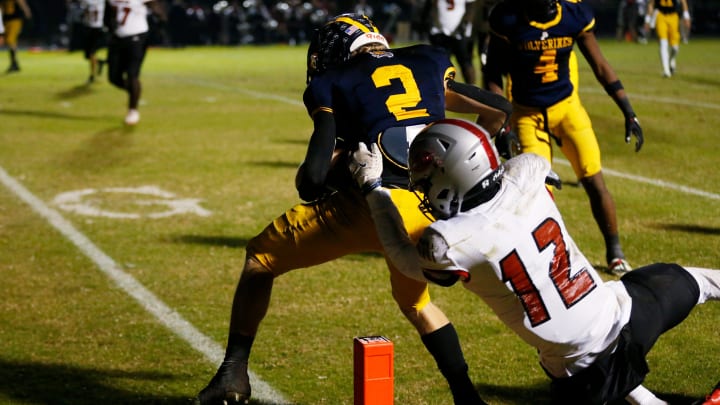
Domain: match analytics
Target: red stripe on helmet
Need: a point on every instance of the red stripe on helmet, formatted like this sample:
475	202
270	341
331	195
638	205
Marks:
481	134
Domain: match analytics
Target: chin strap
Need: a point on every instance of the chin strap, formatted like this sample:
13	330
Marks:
484	191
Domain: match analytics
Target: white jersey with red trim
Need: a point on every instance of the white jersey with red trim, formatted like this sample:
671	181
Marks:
131	17
93	11
449	15
523	263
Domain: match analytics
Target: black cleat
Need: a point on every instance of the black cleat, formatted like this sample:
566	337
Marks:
229	386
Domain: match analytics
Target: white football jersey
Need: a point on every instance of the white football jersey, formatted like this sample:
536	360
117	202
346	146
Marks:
523	263
93	11
131	17
449	15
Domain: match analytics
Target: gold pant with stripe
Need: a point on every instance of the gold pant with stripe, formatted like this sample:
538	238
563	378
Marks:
340	224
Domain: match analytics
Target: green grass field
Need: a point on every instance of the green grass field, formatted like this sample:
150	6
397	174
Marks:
223	129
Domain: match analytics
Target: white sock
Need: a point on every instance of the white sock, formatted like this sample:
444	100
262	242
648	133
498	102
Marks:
673	55
709	282
665	56
642	396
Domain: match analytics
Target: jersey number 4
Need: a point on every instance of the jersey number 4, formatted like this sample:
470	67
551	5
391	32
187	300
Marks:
570	288
547	66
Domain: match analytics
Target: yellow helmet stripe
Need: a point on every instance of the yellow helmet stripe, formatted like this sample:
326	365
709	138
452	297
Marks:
356	24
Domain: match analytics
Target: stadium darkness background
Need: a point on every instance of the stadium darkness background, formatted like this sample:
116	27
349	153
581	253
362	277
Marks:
51	26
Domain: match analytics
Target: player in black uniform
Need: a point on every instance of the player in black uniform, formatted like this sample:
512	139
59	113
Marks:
358	90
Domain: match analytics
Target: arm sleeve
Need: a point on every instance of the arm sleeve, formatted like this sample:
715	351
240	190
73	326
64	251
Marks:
493	110
314	170
485	97
397	244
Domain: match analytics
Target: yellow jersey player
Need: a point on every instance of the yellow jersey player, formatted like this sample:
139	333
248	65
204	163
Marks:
14	12
532	42
663	16
358	90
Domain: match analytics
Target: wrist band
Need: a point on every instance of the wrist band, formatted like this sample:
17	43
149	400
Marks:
686	15
368	187
612	88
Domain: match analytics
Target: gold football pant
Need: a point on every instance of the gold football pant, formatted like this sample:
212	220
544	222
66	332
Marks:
566	124
314	233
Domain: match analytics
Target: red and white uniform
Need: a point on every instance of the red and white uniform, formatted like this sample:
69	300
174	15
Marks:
522	262
532	255
131	17
93	11
449	15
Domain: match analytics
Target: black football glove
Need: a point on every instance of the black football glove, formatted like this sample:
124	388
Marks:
632	127
507	143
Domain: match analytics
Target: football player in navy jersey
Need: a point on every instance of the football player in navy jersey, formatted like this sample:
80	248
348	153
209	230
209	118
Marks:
358	90
532	42
499	233
664	17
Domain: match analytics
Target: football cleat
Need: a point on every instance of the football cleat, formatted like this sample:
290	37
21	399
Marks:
618	266
132	117
229	386
712	399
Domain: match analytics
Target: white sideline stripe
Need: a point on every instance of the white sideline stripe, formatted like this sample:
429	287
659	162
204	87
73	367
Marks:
292	101
251	93
164	314
653	182
656	99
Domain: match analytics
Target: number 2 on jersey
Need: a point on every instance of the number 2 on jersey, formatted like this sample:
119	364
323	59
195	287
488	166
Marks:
400	105
570	288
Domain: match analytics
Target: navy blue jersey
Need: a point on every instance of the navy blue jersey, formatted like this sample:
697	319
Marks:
666	6
382	89
534	54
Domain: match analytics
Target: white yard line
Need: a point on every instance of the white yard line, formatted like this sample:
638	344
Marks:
657	99
167	316
654	182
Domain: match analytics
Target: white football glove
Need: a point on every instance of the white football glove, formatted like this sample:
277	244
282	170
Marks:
366	167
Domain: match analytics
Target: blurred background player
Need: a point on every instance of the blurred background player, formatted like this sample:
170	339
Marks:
499	232
452	30
663	15
2	29
128	22
14	12
93	12
631	21
481	26
532	42
358	90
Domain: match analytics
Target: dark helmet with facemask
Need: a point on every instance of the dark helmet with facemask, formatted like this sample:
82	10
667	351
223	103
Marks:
336	41
540	10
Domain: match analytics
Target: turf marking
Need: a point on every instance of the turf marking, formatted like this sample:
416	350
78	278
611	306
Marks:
85	202
652	182
657	99
151	303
